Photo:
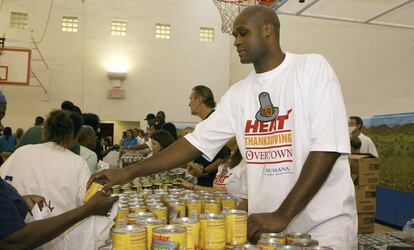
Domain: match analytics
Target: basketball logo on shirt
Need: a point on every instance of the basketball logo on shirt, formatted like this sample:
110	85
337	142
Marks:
267	111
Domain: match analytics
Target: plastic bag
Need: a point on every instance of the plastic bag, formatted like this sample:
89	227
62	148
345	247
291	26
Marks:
408	231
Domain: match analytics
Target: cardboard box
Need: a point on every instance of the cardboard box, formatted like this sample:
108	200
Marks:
366	223
366	199
364	169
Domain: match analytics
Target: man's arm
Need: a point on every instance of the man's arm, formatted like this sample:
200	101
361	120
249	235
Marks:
177	154
315	171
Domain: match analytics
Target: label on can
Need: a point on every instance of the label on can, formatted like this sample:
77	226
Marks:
160	212
268	244
211	206
176	210
95	187
150	224
278	237
193	208
236	227
228	203
193	231
121	216
169	238
291	237
212	231
129	237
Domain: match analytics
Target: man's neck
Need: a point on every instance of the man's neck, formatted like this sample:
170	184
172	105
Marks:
269	62
204	112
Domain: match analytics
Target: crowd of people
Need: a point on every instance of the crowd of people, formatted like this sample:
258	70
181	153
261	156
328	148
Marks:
276	142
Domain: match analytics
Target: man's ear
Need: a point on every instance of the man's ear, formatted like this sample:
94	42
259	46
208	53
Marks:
268	29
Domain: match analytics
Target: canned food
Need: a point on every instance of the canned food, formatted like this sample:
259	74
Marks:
289	247
95	187
136	217
137	208
269	244
157	185
169	238
228	202
167	186
150	224
116	189
278	237
176	209
211	206
306	243
320	248
121	216
193	208
193	230
129	237
246	247
218	195
291	237
126	188
160	212
136	188
146	187
212	231
236	227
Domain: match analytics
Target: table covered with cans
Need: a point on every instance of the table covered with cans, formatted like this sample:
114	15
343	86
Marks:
391	240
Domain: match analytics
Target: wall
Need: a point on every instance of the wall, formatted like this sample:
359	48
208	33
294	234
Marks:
374	64
160	73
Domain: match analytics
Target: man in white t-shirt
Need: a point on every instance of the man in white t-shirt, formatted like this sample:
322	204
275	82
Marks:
367	145
290	122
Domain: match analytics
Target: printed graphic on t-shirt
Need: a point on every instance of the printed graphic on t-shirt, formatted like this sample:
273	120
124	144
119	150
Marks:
269	139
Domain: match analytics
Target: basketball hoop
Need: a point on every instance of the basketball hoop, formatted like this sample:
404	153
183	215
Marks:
229	9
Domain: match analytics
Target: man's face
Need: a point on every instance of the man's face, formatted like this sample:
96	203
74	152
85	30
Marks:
160	117
248	39
194	103
91	142
353	123
3	108
135	132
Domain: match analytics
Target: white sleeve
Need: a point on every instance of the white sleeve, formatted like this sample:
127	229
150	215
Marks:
326	108
243	181
84	175
211	134
371	148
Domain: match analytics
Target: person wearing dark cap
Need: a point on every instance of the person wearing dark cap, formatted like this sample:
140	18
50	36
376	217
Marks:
151	121
39	121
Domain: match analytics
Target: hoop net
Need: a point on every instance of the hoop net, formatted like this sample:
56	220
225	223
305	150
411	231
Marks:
229	9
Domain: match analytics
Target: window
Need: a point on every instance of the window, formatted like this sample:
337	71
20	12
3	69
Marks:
118	28
206	35
163	31
18	20
70	24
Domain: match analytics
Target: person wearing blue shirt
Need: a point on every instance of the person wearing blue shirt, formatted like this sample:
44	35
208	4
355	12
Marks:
8	141
130	140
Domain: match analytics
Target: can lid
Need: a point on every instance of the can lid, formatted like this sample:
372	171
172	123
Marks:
158	207
306	242
212	201
128	229
289	247
320	248
184	220
234	211
272	235
170	229
297	235
211	216
150	221
269	242
141	215
246	247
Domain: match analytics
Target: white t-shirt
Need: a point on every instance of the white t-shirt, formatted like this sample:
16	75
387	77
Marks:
311	117
367	145
57	174
228	179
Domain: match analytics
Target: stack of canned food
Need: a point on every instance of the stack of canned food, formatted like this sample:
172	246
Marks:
179	219
382	241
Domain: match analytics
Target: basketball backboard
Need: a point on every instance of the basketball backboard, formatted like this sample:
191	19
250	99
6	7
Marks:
15	66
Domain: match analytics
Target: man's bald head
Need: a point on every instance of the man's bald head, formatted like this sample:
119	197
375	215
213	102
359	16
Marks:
260	15
87	137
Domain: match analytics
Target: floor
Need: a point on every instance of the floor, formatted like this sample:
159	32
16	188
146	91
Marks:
378	228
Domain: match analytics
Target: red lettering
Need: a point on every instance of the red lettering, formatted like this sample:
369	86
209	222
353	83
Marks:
264	127
161	238
281	120
250	126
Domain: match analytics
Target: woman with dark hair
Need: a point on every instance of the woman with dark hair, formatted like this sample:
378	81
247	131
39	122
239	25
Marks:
51	170
8	143
129	140
160	140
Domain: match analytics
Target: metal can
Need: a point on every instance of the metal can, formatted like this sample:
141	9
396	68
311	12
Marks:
121	216
169	238
291	237
193	230
157	186
211	206
268	244
246	247
126	188
212	231
146	187
176	209
95	187
116	189
236	227
306	243
320	248
289	247
129	237
160	212
228	202
150	224
137	208
278	237
193	208
136	217
217	195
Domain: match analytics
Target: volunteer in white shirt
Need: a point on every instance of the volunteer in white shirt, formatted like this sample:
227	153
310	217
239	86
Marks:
290	122
367	145
51	170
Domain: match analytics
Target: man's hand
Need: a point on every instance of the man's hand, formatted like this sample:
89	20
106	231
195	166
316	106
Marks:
195	170
265	223
110	177
100	203
185	184
31	200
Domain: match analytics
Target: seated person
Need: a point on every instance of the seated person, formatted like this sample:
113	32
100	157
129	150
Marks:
227	178
51	170
8	143
355	145
160	140
129	140
16	234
